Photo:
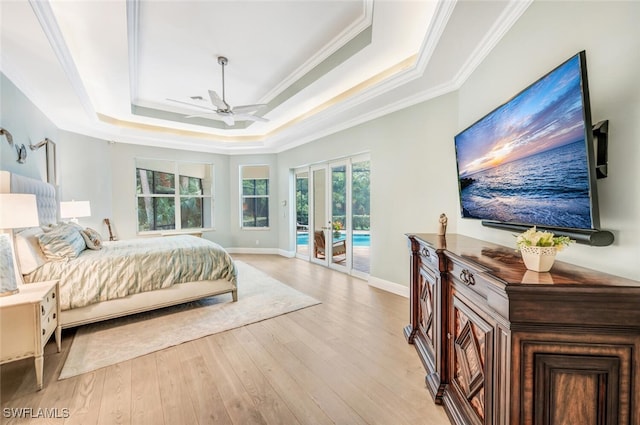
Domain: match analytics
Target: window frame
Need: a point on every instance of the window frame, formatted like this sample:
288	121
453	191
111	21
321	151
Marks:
255	196
177	196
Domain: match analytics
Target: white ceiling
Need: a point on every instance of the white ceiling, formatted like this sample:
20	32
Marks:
106	68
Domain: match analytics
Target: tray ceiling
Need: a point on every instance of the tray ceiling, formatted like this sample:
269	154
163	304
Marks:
107	68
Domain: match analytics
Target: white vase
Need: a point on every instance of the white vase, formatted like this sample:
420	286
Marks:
538	258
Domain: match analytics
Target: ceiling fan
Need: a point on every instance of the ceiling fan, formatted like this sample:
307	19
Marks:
219	108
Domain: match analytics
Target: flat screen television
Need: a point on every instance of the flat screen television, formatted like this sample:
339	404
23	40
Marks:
531	160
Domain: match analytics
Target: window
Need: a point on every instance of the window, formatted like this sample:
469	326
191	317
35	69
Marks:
156	183
255	196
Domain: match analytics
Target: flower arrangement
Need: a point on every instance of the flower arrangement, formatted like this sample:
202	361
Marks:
337	226
534	237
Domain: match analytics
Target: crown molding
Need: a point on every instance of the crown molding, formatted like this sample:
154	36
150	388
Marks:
133	34
505	21
349	33
51	29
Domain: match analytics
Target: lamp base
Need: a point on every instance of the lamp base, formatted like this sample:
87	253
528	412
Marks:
8	281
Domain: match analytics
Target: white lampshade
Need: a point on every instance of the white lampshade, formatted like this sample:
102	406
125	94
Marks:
74	209
18	210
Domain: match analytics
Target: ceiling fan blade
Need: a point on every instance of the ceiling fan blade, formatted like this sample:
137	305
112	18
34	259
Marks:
217	101
250	117
212	116
195	105
248	108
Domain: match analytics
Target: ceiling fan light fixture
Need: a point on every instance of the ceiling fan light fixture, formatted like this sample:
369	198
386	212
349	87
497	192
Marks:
221	108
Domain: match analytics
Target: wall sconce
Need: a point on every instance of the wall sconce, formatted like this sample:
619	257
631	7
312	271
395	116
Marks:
39	144
51	158
5	133
75	209
21	150
17	210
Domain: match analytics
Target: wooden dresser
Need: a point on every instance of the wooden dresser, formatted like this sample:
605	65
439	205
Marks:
504	345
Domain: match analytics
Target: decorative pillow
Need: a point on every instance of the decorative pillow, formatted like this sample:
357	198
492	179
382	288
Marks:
63	241
28	251
92	238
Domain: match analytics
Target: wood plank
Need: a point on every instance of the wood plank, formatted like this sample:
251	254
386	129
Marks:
84	404
207	401
299	398
272	407
115	406
176	402
145	392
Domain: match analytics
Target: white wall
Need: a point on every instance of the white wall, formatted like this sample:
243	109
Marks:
545	36
253	239
27	124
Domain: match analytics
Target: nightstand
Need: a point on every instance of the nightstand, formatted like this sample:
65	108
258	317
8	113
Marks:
27	321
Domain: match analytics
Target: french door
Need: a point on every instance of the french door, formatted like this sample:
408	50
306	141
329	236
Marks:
325	208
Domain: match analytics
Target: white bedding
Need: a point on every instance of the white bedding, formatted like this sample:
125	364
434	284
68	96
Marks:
122	268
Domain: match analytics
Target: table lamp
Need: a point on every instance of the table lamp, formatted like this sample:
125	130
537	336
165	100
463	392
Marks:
75	209
17	210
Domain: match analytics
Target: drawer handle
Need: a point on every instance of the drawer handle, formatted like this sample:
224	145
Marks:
43	332
53	295
42	308
467	277
426	252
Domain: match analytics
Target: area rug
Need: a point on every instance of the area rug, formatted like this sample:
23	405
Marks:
102	344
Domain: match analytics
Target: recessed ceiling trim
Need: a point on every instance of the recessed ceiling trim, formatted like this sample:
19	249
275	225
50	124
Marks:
353	46
48	22
506	20
179	132
508	17
133	31
439	20
342	39
342	97
340	55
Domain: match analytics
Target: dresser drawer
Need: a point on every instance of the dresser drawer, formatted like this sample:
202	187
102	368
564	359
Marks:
49	303
428	257
463	276
48	324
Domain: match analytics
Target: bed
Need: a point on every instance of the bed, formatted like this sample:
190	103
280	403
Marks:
115	278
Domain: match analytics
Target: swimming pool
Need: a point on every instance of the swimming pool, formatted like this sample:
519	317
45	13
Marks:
359	239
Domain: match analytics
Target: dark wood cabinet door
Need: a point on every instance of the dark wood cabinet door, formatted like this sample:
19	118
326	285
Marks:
471	355
568	381
426	317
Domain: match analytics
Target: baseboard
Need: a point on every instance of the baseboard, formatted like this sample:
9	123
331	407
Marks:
253	251
385	285
388	286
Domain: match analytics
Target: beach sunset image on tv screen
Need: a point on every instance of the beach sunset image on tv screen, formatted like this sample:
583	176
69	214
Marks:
527	161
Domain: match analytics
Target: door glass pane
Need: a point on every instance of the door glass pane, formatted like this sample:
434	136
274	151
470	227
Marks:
361	216
338	214
302	213
320	219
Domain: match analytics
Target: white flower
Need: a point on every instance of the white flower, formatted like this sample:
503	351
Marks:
534	237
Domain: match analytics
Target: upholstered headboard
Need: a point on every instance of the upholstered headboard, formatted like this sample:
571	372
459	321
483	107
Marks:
45	194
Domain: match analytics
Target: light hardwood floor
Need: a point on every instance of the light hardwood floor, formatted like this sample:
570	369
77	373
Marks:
344	361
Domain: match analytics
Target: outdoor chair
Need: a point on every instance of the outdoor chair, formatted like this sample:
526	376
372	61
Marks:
339	247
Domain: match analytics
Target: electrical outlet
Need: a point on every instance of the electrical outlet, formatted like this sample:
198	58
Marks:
257	241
